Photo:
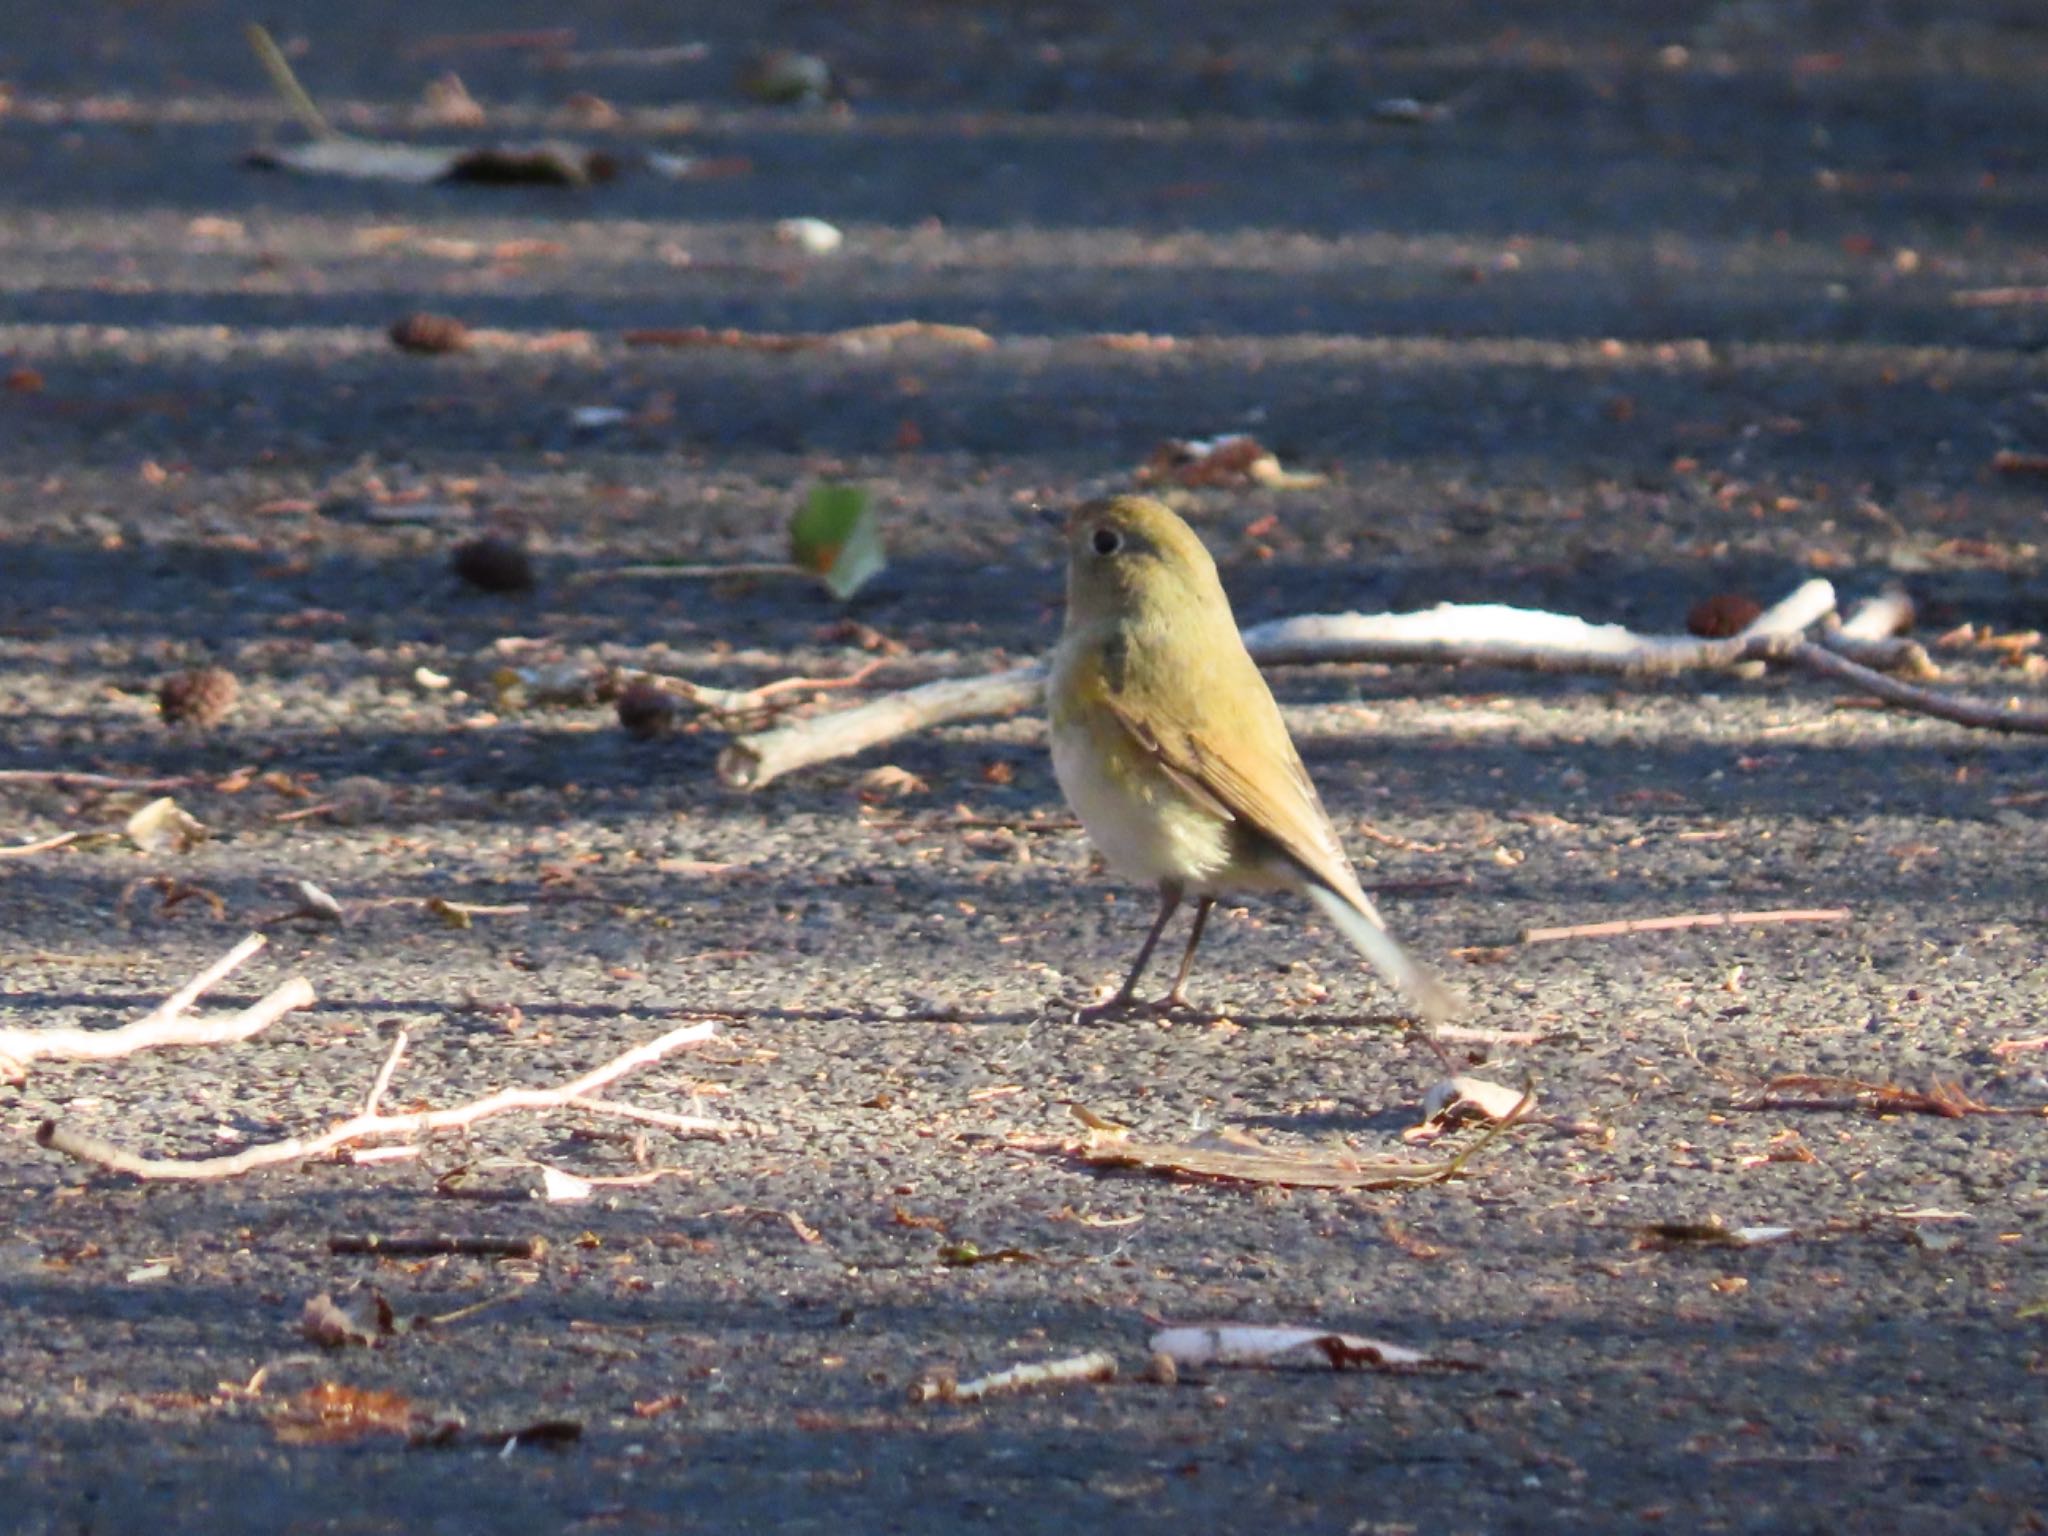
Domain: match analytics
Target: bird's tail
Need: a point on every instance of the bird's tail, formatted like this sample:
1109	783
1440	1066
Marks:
1430	998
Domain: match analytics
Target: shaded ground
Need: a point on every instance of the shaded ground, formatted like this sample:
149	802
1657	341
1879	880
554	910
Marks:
1654	313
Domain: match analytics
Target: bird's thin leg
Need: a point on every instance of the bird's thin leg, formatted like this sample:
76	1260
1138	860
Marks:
1428	1035
1169	903
1178	997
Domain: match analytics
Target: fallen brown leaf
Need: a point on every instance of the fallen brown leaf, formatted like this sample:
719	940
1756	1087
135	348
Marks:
1234	1156
329	1413
1235	460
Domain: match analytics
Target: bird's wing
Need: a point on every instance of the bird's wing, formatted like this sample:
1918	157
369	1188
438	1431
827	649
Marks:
1247	769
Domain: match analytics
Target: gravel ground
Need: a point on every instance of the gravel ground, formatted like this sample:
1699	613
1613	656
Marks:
1657	310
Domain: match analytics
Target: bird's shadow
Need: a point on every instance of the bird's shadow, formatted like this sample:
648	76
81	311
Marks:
1202	1016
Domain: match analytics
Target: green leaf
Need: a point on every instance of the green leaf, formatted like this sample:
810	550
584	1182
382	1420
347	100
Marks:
835	536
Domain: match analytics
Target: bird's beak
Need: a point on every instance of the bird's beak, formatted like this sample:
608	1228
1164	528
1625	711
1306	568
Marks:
1051	517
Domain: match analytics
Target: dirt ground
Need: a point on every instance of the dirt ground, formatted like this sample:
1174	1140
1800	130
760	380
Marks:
1718	298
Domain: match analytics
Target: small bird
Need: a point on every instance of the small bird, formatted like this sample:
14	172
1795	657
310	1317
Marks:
1168	745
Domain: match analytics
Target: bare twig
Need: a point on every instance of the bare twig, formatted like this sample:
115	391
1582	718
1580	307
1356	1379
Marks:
1096	1365
1478	634
1794	613
1231	1156
40	845
1873	635
367	1127
64	778
1975	713
659	57
682	1125
1489	634
859	338
188	994
754	697
165	1024
1879	618
748	762
688	572
742	702
1686	920
589	1181
456	914
384	1073
1807	1091
463	1314
1896	654
363	1157
1493	634
305	812
1997	298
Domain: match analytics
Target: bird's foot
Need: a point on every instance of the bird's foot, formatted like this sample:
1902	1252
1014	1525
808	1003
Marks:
1427	1034
1126	1006
1120	1006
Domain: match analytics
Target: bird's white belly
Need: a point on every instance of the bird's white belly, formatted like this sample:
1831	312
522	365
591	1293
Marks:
1146	826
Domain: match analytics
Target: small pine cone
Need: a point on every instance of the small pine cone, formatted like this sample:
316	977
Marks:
429	333
493	564
1722	615
647	710
201	697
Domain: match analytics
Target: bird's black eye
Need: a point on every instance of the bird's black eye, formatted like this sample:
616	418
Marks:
1108	541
